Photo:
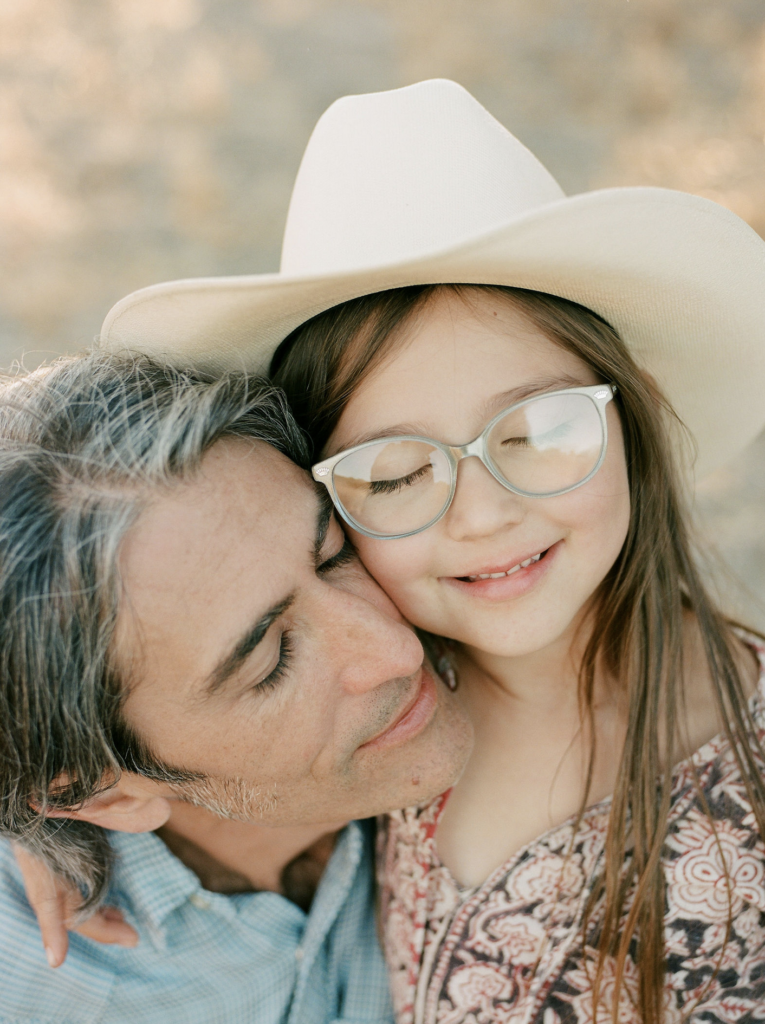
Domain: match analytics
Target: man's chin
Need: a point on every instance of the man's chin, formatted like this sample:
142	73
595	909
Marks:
422	766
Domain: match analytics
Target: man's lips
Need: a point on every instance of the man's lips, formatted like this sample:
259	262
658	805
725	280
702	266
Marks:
412	718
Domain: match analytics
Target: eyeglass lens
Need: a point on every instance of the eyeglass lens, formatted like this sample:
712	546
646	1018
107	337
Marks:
547	445
394	486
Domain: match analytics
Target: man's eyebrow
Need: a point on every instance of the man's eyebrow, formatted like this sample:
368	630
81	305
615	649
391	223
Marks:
324	514
244	647
492	406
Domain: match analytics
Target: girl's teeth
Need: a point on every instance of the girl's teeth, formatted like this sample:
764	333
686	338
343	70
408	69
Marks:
515	568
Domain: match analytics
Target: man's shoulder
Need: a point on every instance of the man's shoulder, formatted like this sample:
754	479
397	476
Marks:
75	993
233	958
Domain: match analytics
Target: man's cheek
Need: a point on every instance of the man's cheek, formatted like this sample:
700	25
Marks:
306	748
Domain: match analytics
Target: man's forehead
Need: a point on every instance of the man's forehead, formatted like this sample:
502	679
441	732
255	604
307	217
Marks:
216	553
235	457
281	494
254	476
246	501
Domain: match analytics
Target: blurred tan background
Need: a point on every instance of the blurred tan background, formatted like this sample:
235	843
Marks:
142	140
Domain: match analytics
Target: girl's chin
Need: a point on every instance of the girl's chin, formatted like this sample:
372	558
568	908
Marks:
526	632
522	646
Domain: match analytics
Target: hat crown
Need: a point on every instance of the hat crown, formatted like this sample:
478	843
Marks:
390	176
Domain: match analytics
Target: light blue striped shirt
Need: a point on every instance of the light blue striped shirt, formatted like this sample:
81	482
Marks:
204	958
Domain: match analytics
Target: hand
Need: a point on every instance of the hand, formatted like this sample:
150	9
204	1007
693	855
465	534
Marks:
55	902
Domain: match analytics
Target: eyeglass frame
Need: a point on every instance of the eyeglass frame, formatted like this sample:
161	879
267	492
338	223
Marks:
323	472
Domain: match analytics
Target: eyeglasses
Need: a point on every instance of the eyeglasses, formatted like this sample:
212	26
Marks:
539	448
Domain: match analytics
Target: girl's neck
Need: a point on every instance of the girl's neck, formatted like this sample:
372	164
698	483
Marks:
529	768
541	678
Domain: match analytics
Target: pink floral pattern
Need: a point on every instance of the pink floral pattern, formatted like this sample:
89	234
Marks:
511	951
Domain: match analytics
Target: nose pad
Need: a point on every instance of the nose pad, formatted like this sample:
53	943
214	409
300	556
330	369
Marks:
481	505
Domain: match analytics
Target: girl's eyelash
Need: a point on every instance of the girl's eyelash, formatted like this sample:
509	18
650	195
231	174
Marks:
274	677
346	554
391	486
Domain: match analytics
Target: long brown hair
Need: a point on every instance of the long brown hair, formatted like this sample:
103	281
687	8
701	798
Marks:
637	632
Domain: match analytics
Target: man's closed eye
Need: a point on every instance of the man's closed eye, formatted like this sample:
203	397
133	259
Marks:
345	556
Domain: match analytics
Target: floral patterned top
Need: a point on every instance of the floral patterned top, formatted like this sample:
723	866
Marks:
511	950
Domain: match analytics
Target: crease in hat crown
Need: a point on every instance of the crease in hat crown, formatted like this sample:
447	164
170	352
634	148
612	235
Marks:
391	176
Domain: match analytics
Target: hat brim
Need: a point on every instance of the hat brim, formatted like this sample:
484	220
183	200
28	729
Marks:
679	277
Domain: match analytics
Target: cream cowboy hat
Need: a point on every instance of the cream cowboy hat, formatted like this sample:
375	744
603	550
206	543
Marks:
422	185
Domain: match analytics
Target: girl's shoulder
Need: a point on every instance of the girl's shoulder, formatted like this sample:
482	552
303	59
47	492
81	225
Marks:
714	767
714	865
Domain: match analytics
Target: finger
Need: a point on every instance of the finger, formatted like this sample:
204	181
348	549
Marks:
108	926
52	913
47	896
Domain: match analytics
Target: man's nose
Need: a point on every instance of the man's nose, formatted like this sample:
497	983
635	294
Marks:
481	505
369	646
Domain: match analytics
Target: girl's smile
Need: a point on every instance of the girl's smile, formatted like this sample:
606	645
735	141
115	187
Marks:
499	583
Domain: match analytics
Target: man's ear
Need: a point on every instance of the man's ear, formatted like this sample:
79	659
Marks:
131	805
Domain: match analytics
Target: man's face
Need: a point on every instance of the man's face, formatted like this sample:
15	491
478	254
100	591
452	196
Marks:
263	657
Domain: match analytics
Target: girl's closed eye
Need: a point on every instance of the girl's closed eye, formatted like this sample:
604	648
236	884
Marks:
518	442
545	440
399	483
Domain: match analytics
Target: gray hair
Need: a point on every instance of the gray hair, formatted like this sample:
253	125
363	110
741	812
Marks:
83	444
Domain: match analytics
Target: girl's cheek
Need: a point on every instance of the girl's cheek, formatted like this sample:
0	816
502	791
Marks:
398	566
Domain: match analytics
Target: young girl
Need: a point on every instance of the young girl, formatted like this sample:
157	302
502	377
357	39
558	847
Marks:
602	856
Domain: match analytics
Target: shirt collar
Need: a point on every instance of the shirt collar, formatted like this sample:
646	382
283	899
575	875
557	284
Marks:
154	882
152	879
336	883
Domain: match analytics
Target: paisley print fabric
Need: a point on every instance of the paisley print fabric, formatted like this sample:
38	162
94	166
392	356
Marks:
511	951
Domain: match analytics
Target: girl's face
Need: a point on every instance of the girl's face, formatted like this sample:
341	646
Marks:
446	379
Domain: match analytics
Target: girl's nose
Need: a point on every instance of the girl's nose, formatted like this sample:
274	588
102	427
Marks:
481	505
